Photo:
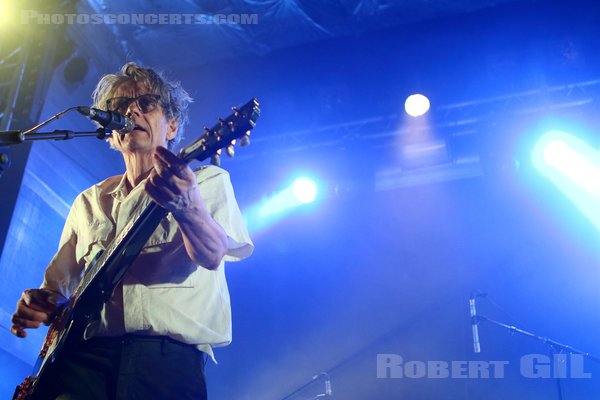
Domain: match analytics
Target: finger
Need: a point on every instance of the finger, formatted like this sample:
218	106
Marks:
25	323
167	188
160	165
161	181
171	163
18	331
25	312
51	297
173	183
174	174
179	171
38	300
167	156
159	193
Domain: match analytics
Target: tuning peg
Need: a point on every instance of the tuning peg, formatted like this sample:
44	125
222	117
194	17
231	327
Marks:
245	140
215	160
235	111
222	121
230	150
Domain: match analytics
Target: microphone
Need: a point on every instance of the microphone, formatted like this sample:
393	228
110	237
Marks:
474	324
109	120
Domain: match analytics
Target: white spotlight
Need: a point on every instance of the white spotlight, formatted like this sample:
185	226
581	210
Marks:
416	105
305	190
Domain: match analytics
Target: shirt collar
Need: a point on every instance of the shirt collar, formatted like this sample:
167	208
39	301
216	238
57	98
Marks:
120	191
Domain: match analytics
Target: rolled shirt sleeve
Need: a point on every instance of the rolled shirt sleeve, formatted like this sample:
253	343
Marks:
64	271
218	195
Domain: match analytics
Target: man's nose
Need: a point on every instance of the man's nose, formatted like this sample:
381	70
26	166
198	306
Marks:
133	108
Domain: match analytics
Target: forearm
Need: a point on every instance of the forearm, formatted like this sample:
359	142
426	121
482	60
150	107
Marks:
204	240
173	185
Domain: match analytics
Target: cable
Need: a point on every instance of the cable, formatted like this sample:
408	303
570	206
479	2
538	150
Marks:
46	122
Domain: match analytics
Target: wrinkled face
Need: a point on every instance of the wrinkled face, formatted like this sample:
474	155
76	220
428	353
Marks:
152	129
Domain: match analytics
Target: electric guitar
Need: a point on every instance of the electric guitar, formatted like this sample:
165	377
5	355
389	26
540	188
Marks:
109	266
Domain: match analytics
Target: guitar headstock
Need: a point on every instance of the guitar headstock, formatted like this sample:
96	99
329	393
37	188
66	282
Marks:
224	135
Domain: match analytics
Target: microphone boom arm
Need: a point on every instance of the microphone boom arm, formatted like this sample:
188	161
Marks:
18	137
552	343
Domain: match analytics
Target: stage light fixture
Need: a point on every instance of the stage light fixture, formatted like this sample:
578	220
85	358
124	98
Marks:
305	190
416	105
300	193
574	167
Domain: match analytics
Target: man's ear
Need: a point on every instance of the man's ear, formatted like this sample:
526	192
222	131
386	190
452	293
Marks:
172	129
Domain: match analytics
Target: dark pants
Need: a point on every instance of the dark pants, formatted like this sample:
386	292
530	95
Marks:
132	367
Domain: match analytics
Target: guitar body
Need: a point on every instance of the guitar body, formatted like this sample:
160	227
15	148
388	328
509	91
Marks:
65	332
108	266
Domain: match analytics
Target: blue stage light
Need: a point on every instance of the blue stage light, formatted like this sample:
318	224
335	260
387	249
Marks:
305	190
574	167
269	211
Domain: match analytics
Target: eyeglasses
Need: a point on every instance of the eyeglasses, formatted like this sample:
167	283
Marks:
145	103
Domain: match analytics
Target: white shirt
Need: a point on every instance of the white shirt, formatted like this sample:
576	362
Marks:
163	292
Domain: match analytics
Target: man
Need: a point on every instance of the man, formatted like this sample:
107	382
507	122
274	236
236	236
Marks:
172	306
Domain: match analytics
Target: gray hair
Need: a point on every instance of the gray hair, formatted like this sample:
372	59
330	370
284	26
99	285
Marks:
173	97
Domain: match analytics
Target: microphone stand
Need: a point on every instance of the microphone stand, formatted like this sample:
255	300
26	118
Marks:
327	393
8	138
555	347
18	137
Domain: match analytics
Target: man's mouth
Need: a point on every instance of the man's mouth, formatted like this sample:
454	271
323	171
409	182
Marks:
122	134
139	128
